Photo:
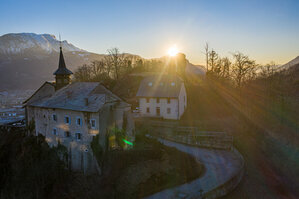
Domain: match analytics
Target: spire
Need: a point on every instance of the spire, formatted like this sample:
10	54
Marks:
62	70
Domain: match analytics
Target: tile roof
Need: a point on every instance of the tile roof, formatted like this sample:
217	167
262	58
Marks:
160	86
79	96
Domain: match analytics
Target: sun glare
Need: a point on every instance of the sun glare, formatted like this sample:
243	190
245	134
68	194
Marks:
173	51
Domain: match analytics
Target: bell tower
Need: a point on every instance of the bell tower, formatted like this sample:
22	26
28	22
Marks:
62	74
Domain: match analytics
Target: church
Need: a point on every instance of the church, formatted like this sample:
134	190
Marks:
72	114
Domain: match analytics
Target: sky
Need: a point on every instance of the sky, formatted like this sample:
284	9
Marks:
265	30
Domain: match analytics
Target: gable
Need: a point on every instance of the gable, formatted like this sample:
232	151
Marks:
45	91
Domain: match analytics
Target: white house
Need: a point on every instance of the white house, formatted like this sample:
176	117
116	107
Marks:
162	96
73	113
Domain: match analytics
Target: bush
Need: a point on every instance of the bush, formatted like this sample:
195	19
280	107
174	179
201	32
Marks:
30	168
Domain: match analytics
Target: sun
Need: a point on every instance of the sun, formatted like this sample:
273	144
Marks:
173	51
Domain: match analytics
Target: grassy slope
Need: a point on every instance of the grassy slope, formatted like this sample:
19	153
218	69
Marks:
265	129
271	166
148	168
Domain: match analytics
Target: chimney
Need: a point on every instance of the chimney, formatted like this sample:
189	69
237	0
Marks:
86	101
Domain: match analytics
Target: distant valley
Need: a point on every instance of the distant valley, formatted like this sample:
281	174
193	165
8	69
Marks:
28	59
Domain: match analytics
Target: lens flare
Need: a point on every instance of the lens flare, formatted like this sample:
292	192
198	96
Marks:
173	51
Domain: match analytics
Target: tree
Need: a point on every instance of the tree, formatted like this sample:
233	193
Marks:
30	168
268	70
213	59
83	73
116	60
98	67
207	55
243	68
225	67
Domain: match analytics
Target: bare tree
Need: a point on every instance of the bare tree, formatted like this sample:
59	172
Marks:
243	68
98	67
207	55
116	59
268	70
213	59
225	67
83	73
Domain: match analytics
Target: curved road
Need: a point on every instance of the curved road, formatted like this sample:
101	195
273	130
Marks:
220	167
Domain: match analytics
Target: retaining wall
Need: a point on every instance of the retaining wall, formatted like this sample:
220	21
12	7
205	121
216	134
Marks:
228	186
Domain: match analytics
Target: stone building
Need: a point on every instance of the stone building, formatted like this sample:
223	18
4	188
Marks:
162	96
74	113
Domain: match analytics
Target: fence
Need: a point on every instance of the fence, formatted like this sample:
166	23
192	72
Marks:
192	136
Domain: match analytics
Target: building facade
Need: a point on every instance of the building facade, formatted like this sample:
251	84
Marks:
162	96
74	113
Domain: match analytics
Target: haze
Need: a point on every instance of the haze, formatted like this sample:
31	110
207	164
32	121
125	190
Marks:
264	30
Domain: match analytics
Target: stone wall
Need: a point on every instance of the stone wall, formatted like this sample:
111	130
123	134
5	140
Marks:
81	157
230	185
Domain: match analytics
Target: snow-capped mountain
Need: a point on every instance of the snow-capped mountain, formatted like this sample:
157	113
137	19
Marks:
291	63
28	59
15	43
195	69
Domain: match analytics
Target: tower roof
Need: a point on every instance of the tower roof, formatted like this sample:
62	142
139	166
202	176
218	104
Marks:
62	70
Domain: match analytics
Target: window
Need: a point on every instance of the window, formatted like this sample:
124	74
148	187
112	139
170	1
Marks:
172	84
78	136
93	123
147	100
148	110
79	121
168	110
150	84
158	111
54	131
54	117
67	134
168	100
158	100
67	120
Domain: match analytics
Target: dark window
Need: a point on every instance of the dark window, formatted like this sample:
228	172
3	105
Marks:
79	121
54	117
158	100
78	136
93	123
67	120
158	111
168	110
147	100
168	100
54	131
67	134
147	109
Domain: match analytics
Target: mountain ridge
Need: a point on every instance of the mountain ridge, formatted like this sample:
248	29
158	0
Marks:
14	43
291	63
29	59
